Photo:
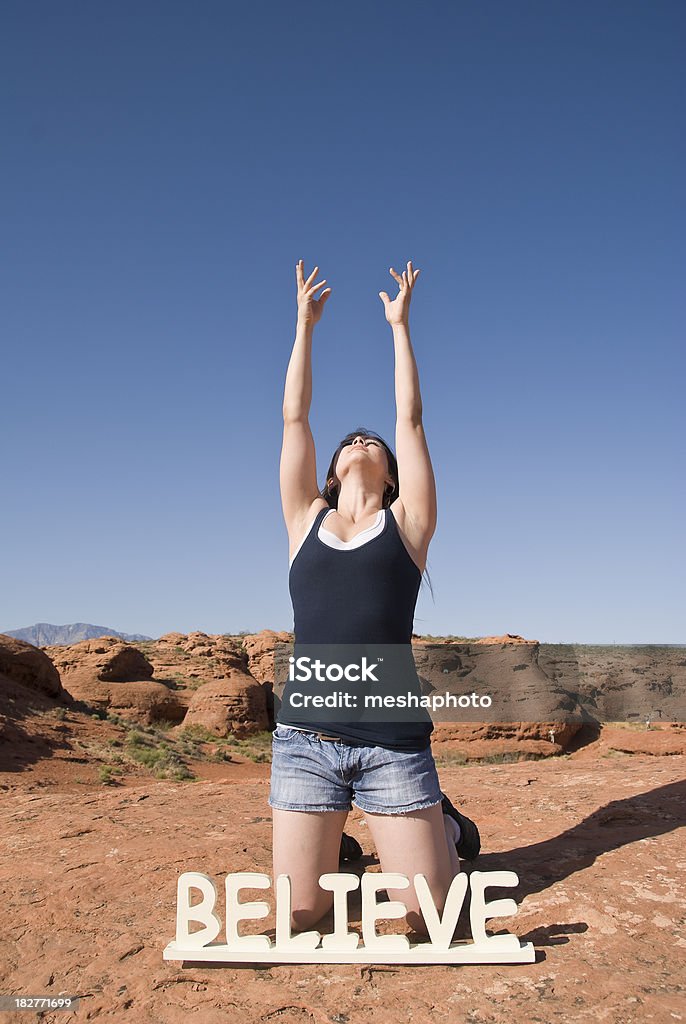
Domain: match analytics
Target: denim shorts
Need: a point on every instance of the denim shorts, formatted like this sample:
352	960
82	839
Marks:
309	774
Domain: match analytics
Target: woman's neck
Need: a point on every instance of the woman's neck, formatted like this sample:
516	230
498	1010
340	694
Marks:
355	507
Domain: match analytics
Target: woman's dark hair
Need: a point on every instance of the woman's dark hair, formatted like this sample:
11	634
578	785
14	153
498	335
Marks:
330	494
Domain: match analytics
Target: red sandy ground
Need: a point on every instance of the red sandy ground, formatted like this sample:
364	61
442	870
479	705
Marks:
88	876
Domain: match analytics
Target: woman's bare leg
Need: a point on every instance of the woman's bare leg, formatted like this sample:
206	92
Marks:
306	844
452	848
416	843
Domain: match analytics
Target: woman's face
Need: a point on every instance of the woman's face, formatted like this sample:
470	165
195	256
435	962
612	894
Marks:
363	448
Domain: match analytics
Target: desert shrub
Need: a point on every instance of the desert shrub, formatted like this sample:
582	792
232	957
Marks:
105	773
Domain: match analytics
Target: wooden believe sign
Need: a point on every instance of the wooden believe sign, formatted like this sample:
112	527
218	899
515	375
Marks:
343	946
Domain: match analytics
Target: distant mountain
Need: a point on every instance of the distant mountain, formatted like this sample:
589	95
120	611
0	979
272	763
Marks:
44	633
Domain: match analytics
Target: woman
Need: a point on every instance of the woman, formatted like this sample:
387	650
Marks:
355	580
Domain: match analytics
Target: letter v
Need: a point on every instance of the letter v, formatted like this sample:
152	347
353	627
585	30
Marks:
441	929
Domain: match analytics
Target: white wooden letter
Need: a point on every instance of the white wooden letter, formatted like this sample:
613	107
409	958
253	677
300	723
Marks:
441	930
203	911
373	911
236	911
343	946
340	940
285	940
479	910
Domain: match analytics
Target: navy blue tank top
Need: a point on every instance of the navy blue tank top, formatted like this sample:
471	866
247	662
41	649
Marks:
361	595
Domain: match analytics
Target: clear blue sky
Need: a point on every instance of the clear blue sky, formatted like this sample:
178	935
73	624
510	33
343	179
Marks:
165	166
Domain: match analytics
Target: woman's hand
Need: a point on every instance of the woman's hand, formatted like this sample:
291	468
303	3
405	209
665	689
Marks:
398	311
309	308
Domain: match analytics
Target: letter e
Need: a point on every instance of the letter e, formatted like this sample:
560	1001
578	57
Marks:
371	883
236	911
479	910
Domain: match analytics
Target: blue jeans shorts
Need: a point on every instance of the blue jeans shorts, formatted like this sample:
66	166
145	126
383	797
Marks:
309	774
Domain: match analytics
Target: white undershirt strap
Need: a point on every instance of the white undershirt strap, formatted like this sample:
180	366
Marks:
332	541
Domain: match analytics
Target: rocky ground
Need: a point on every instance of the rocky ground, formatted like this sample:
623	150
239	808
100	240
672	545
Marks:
100	812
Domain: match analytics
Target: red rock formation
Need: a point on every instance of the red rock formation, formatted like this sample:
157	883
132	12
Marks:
29	684
107	658
236	705
27	665
260	651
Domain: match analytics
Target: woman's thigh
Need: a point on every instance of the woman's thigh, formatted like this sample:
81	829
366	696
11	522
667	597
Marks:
399	794
414	843
310	802
306	844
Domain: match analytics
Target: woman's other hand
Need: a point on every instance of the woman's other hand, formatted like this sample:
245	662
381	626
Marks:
309	308
398	311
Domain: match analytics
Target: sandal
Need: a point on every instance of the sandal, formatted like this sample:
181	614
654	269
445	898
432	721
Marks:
469	843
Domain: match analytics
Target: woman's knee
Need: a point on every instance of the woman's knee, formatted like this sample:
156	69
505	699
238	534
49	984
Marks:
307	913
415	920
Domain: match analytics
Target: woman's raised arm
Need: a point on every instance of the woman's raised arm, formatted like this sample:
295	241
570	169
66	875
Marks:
298	470
417	486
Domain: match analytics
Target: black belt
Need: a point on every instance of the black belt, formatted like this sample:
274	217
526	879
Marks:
335	739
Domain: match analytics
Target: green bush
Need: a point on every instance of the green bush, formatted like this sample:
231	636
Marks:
449	757
90	709
105	775
181	774
198	733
